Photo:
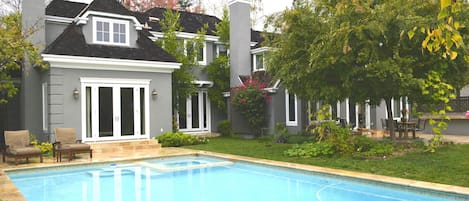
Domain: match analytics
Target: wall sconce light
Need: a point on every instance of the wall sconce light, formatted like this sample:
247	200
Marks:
76	93
154	93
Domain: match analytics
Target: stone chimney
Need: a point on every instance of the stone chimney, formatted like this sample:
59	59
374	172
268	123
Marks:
240	40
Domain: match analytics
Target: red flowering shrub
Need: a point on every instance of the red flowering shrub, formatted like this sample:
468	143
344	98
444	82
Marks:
250	100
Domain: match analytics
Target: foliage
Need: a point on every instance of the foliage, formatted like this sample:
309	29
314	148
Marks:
219	70
308	150
185	53
16	48
251	100
45	147
332	50
445	36
224	127
223	29
219	73
183	5
338	140
170	139
280	133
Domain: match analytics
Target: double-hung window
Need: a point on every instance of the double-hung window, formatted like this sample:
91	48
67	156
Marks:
110	31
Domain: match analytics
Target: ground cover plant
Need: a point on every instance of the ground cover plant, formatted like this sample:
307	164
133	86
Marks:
177	139
447	166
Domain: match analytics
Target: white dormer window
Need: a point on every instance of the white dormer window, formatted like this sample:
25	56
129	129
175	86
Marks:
110	31
258	62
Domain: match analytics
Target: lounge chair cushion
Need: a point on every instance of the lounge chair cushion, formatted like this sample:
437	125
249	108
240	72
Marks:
25	151
66	135
16	139
78	146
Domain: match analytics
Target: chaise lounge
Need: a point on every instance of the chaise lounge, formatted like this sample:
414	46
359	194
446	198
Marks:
67	143
18	146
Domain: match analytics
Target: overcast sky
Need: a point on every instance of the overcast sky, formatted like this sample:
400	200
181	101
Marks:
215	7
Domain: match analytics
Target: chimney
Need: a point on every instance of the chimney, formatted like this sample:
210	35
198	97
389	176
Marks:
240	40
33	17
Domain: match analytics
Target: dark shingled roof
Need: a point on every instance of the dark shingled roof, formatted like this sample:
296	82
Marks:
72	42
191	22
62	8
256	36
109	6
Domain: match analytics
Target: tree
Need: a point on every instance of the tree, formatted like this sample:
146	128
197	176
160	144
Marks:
186	53
331	50
445	36
14	49
143	5
219	70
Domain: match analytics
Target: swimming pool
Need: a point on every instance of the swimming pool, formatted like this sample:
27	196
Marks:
201	178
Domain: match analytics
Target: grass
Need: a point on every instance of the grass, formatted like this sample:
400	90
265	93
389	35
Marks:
449	165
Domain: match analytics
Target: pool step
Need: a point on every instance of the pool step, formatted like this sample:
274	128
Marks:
125	146
189	167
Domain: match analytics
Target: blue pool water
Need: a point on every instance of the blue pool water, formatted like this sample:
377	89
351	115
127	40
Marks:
202	179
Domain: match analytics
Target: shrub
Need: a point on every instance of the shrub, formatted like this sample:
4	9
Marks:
178	139
308	150
250	100
224	127
45	147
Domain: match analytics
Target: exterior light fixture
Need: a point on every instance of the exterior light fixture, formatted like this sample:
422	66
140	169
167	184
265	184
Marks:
76	93
154	93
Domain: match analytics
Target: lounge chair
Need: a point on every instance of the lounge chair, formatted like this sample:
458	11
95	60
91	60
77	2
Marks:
67	143
18	146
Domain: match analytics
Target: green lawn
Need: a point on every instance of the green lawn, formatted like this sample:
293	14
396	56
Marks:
450	165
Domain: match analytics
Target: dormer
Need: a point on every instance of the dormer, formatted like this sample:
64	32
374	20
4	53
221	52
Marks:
106	22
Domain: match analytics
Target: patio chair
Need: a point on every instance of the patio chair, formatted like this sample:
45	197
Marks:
18	146
67	143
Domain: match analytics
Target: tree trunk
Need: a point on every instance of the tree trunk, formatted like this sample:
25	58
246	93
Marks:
391	125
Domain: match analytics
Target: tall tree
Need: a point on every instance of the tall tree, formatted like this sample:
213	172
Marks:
15	46
219	70
185	51
330	50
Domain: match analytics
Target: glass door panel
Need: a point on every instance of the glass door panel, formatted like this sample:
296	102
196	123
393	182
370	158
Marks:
195	111
89	116
127	111
106	114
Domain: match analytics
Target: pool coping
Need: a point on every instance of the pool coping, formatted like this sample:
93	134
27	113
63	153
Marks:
9	192
445	188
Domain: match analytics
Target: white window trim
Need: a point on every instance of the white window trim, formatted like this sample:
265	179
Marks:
44	107
255	63
111	31
287	110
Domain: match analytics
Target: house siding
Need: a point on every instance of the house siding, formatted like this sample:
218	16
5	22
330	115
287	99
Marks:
66	111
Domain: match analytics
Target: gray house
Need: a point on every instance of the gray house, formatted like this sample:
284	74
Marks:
110	81
106	78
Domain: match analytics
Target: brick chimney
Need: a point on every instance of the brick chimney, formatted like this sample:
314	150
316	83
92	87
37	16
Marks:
240	40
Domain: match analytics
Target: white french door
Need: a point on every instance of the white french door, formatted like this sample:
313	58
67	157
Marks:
114	109
194	115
